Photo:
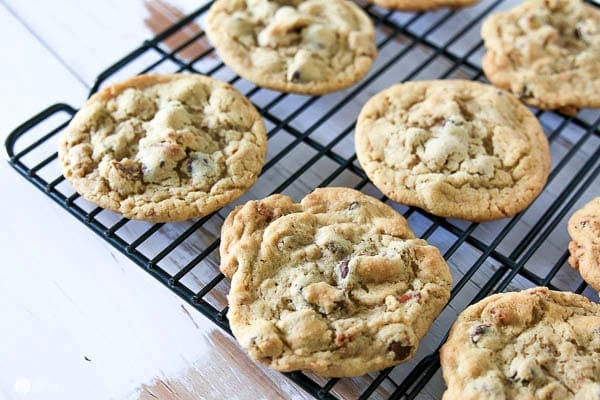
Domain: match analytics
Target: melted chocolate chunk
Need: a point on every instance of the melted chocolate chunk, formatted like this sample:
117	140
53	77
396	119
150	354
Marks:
332	247
296	77
526	92
131	170
353	206
340	304
401	352
344	269
479	331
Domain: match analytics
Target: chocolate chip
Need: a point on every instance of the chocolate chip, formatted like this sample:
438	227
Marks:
584	223
296	76
332	247
401	352
189	167
340	304
577	33
162	163
344	269
353	206
526	92
479	331
128	169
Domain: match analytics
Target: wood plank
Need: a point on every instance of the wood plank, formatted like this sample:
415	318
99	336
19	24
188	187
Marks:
89	36
83	316
32	78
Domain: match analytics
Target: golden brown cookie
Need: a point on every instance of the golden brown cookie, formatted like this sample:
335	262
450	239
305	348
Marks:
337	284
547	52
457	149
164	147
584	228
534	344
309	47
422	5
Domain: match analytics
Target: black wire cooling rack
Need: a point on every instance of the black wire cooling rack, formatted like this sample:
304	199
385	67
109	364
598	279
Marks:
310	145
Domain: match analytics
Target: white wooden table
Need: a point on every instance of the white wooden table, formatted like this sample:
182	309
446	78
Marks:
79	320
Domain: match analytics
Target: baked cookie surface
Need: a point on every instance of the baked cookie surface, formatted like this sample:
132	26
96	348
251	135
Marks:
164	147
457	149
584	228
422	5
534	344
337	284
309	47
547	52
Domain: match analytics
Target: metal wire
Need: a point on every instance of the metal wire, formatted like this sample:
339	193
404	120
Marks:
407	37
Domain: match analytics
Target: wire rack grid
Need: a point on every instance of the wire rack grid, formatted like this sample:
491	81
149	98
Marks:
311	145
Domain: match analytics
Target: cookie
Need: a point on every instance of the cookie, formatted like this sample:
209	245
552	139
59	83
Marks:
164	148
584	228
457	149
308	47
337	284
534	344
422	5
547	52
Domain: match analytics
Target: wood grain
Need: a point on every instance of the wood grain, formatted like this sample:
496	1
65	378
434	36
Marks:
161	15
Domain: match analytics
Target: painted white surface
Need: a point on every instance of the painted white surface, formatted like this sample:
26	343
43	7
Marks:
79	320
89	35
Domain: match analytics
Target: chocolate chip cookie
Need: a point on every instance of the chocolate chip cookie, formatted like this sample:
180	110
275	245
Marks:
337	284
534	344
457	149
309	47
422	5
164	147
547	52
584	228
